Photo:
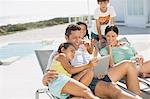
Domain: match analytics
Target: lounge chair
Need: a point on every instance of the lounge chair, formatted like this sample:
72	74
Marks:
43	57
144	82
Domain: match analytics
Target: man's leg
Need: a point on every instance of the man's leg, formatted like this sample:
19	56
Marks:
108	89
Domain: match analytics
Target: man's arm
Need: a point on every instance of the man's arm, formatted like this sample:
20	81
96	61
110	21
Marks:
49	77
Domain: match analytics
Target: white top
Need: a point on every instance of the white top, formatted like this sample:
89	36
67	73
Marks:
104	18
81	57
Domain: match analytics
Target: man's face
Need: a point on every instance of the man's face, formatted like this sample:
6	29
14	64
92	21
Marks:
75	38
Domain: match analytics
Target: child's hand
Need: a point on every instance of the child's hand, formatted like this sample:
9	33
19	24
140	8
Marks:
93	62
93	42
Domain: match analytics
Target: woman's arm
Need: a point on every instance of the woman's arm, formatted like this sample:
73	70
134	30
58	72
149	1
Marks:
111	62
72	70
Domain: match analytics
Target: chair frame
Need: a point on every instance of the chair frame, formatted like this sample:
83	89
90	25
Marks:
43	58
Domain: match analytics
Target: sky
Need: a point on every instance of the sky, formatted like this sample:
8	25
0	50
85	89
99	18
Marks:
45	7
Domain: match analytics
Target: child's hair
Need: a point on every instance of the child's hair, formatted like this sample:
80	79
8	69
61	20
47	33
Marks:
82	23
102	0
71	27
112	28
65	46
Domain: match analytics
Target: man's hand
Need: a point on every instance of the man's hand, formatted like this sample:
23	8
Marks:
93	62
49	77
100	76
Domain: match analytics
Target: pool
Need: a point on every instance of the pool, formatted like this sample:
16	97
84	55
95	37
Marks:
20	49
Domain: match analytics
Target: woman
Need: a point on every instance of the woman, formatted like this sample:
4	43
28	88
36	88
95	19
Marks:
121	51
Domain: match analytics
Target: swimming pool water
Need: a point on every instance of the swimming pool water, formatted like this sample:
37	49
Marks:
20	49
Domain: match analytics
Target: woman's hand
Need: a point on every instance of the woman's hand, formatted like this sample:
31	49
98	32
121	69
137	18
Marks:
139	59
49	77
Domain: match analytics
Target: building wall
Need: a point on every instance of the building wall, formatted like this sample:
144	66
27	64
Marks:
120	9
129	11
148	10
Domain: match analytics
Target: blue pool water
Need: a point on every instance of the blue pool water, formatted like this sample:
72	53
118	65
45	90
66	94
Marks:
20	49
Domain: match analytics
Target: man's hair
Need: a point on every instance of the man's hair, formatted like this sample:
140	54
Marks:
102	0
70	28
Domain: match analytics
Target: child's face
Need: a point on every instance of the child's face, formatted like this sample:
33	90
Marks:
83	30
70	52
103	5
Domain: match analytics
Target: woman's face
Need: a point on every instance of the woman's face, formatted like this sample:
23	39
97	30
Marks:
111	37
83	30
70	52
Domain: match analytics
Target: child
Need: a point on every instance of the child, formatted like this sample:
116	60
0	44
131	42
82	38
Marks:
63	82
85	36
104	16
84	30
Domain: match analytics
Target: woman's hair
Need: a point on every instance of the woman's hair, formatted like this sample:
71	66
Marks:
65	46
82	23
102	0
112	28
70	28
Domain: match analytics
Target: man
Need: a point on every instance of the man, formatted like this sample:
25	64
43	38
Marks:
103	87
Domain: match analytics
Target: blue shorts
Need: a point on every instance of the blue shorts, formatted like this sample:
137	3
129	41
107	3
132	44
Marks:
96	80
55	87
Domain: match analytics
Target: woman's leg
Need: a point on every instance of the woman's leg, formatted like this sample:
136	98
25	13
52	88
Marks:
111	90
76	88
127	69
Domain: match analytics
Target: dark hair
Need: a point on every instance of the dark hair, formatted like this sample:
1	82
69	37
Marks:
71	27
82	23
111	28
65	46
102	0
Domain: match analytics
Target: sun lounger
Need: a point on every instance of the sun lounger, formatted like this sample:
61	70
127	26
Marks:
43	57
144	82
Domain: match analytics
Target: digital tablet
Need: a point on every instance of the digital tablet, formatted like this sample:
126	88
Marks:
102	66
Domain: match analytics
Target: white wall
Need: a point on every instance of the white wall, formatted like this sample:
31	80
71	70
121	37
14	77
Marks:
119	6
148	10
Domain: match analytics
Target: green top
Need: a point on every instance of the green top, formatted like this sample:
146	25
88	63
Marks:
124	52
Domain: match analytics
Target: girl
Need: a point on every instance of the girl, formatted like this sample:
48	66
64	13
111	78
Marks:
64	83
89	46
